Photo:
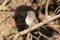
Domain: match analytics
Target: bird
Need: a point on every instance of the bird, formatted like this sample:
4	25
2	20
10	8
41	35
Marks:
20	15
31	19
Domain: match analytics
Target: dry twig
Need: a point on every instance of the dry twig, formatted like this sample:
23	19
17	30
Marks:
46	9
4	3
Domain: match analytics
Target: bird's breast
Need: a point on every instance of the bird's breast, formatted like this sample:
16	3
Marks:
29	21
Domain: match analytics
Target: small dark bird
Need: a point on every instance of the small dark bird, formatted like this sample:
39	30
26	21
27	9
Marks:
20	15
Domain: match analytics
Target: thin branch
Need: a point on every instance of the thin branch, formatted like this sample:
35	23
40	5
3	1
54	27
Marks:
44	35
57	9
46	9
4	3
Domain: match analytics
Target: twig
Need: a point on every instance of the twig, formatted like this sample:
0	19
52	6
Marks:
29	36
46	9
4	3
44	35
57	9
34	37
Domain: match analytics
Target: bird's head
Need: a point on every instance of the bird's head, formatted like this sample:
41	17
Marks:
30	14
